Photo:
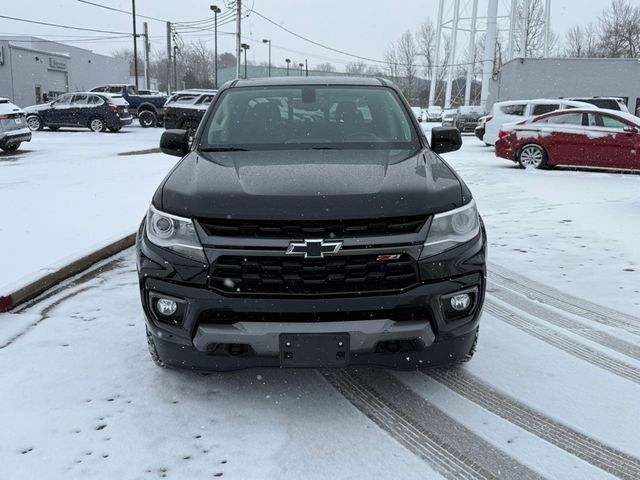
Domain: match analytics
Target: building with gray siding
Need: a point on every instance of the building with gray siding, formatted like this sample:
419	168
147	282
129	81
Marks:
34	70
524	79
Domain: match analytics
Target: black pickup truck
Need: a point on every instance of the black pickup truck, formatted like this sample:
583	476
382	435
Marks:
311	224
148	108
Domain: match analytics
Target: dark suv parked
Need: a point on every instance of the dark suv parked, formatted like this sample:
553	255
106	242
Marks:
97	111
148	108
185	109
310	223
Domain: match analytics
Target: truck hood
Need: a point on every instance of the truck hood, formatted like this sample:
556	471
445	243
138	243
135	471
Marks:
310	185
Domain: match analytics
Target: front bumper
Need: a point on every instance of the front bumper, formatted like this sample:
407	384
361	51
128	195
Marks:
249	334
15	136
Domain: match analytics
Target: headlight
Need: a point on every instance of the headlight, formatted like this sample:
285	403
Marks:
175	233
452	228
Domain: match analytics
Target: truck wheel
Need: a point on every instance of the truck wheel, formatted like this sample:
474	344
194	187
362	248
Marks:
153	351
34	123
115	129
147	119
97	125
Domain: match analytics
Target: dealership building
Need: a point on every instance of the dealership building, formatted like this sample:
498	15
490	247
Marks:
529	78
34	70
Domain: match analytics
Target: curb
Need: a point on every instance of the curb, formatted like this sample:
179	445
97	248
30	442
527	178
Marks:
33	289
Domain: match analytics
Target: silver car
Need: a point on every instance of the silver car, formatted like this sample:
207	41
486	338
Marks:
13	126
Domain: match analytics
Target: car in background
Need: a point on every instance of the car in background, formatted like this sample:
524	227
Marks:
97	111
185	109
479	130
13	126
467	117
580	138
434	114
448	117
148	108
609	103
516	110
142	91
417	111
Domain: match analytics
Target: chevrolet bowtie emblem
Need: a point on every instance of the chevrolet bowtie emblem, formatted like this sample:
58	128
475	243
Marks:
313	248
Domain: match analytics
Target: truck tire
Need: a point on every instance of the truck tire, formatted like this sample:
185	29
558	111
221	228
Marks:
153	351
12	147
147	119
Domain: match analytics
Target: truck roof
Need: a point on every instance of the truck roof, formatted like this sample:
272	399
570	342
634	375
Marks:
296	80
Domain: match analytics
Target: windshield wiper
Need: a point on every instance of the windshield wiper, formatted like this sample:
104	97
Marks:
325	148
224	149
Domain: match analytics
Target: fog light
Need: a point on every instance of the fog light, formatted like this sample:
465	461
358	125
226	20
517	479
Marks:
166	307
461	302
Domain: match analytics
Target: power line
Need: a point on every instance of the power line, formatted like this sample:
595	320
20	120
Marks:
119	10
63	26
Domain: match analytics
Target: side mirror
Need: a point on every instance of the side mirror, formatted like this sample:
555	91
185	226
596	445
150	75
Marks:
445	139
175	142
631	130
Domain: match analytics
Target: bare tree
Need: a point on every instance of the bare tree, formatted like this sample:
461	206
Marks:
426	45
325	67
620	30
534	29
356	68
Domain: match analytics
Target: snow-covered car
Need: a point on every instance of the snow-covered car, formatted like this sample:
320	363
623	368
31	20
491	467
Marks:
448	116
434	114
13	126
479	130
417	111
467	117
578	137
516	110
609	103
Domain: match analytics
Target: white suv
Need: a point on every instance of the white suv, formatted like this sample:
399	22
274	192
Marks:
516	110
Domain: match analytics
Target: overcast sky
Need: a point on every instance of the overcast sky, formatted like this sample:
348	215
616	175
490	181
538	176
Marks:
362	27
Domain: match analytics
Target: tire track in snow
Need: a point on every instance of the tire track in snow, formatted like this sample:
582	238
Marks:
555	318
563	301
563	342
451	449
582	446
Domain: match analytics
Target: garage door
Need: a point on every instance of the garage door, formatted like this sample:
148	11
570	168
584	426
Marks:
57	81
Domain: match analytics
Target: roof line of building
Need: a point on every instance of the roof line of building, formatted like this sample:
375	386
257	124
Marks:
36	50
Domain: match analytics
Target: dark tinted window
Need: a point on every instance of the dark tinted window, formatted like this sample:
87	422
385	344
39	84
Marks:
542	109
310	117
514	109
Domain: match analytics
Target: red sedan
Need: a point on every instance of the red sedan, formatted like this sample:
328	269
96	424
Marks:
576	137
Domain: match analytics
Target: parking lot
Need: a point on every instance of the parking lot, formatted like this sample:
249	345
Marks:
559	343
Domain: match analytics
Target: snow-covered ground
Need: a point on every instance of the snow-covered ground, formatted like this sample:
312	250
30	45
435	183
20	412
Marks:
67	193
551	393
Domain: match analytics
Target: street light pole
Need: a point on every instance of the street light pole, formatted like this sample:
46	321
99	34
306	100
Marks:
269	42
245	47
288	60
135	43
216	10
300	65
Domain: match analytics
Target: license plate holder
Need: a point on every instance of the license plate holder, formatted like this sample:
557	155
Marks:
314	350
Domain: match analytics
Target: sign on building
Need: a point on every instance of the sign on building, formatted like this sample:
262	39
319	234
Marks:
57	63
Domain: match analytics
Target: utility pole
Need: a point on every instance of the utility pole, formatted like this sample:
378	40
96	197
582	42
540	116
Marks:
216	10
513	20
436	60
524	28
306	68
489	50
147	47
300	65
547	28
266	40
175	66
168	57
135	43
472	54
288	60
452	61
238	32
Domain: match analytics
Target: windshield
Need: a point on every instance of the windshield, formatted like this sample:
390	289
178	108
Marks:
323	117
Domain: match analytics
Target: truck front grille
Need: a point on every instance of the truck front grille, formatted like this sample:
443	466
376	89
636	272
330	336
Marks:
289	276
313	229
